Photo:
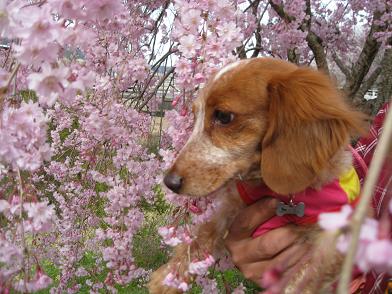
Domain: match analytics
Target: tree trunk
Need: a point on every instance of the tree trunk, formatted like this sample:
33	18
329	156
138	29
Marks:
384	74
365	59
385	85
315	44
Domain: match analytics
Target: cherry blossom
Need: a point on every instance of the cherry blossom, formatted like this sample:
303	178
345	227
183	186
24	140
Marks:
41	281
103	9
172	281
4	205
200	267
239	290
4	21
379	256
173	236
373	251
37	53
23	137
41	216
49	83
208	285
189	45
39	22
335	220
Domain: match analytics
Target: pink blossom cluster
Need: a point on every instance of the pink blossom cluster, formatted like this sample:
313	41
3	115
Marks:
209	285
23	137
111	130
200	267
173	281
11	257
74	60
206	32
40	281
285	35
375	244
239	290
39	219
173	236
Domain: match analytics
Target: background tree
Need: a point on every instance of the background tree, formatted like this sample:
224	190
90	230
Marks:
342	38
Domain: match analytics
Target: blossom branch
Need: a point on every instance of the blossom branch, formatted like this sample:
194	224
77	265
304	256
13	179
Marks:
358	99
363	205
160	83
4	89
368	54
21	194
341	65
281	12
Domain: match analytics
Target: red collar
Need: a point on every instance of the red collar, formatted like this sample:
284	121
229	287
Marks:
331	197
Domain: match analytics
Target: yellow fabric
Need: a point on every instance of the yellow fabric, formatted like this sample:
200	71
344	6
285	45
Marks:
350	184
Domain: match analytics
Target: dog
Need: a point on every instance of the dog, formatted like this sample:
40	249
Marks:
287	124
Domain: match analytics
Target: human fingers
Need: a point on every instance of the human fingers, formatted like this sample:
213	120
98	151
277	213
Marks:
284	261
264	247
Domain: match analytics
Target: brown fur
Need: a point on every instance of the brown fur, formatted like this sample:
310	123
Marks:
308	124
290	121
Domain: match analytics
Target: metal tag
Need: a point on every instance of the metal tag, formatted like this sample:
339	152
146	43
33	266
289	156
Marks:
296	209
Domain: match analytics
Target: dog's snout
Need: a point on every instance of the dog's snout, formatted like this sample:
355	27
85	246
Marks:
173	181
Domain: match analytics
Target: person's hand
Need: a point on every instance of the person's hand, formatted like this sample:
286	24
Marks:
280	247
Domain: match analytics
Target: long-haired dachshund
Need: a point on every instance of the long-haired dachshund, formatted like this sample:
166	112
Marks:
290	126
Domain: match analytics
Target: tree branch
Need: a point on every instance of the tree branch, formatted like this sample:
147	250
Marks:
155	29
366	85
315	43
156	68
258	30
160	83
318	51
344	69
366	57
385	84
280	11
252	4
292	56
4	89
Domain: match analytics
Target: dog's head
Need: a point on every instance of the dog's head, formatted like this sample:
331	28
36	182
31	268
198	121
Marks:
288	120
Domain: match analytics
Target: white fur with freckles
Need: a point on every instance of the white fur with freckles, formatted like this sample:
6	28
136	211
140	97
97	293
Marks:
212	154
199	124
200	145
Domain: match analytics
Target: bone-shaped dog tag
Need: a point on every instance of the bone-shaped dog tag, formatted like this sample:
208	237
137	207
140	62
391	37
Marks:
296	209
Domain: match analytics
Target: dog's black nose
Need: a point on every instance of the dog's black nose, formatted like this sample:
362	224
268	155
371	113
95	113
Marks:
173	182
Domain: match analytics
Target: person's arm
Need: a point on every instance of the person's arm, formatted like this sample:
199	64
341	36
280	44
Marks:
276	248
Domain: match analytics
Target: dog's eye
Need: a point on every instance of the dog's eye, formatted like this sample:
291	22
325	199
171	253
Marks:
223	117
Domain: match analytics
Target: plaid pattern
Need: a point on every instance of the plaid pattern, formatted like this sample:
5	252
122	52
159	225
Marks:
365	147
376	283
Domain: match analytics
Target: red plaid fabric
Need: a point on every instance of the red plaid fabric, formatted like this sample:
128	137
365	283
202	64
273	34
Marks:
376	283
365	147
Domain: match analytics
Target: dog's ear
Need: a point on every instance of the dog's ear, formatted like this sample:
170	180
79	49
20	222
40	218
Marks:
308	122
